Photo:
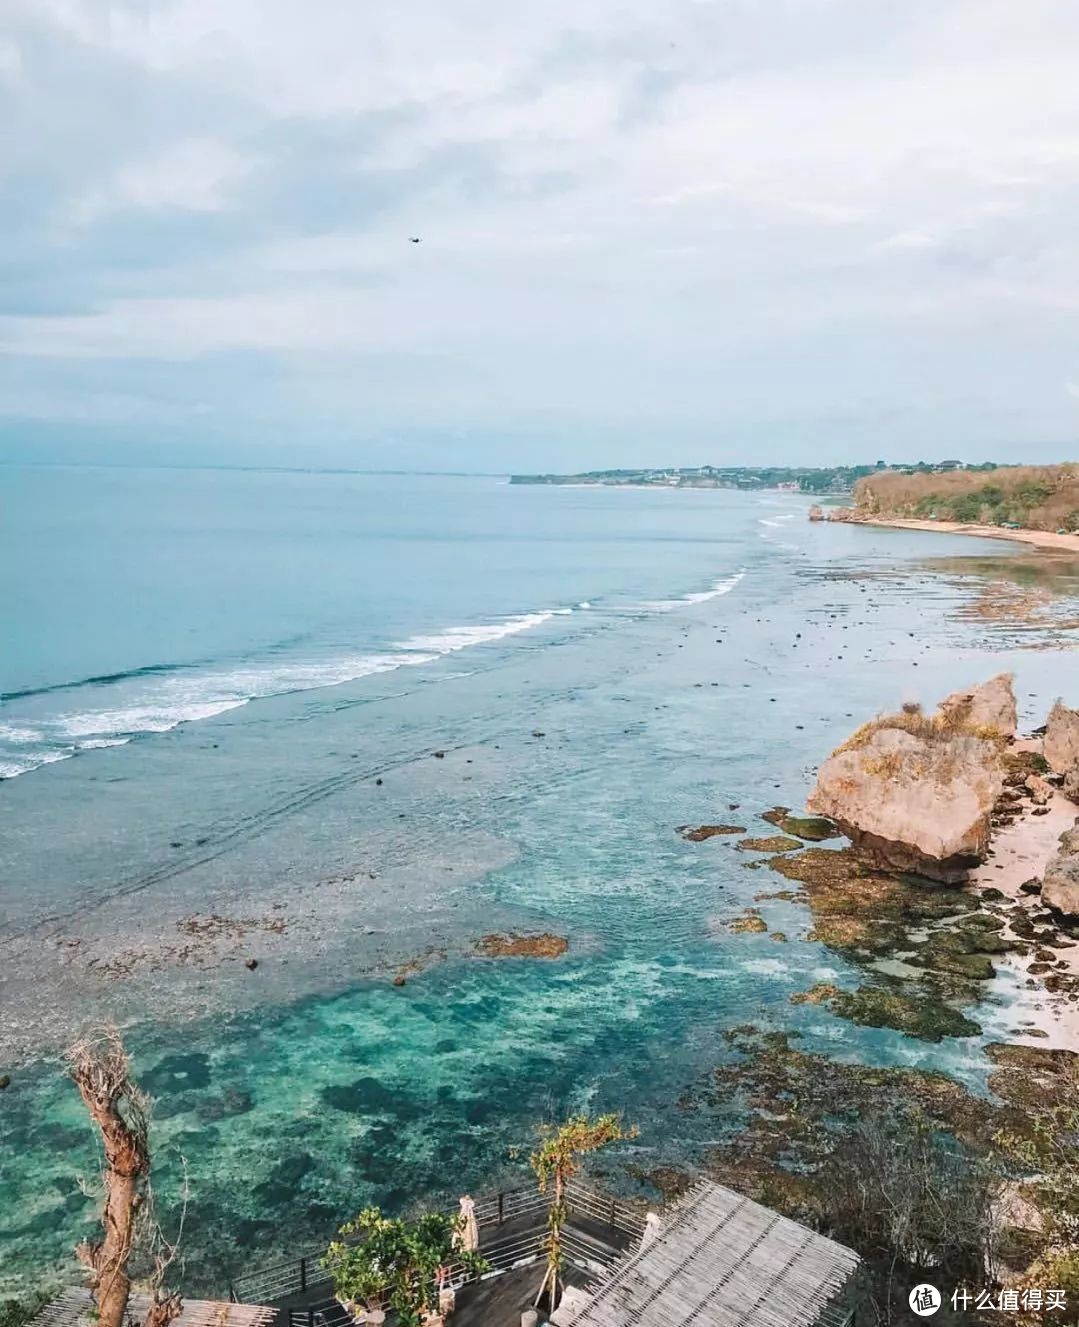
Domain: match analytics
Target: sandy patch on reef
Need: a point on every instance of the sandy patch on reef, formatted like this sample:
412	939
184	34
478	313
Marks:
1019	853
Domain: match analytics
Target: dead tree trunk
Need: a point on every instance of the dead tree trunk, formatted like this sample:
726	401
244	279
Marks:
101	1070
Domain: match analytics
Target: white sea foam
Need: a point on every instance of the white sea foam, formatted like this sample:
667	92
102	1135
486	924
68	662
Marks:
460	638
717	591
12	733
157	704
10	769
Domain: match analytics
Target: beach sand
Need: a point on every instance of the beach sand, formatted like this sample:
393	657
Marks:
1061	543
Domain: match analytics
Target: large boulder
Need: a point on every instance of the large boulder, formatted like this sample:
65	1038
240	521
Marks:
913	794
988	710
1060	884
1061	747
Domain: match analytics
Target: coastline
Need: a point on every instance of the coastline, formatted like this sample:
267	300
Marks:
1046	539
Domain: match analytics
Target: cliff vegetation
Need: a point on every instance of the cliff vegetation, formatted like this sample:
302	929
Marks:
1033	497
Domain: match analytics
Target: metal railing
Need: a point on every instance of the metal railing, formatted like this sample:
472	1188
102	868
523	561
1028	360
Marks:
525	1249
304	1274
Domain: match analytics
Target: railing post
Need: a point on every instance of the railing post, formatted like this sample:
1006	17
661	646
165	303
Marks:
611	1221
232	1293
501	1199
303	1273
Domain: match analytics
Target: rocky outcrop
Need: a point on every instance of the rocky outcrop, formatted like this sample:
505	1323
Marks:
1060	884
816	513
1062	747
914	794
988	710
522	946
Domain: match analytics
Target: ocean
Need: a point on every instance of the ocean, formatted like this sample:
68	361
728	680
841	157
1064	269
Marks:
345	725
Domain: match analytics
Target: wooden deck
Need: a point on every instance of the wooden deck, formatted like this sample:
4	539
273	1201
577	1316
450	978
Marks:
598	1232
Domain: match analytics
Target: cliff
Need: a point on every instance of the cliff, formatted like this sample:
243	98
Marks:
1044	497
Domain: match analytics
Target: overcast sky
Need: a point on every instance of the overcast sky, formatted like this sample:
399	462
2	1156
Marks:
652	230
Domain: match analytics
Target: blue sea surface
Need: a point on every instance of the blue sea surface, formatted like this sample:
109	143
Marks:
347	725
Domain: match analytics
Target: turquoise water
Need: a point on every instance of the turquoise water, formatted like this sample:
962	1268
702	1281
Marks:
597	668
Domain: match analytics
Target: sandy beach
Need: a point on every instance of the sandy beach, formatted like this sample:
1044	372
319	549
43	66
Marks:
1060	543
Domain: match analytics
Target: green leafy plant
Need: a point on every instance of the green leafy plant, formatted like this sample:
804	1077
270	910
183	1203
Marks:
397	1264
555	1162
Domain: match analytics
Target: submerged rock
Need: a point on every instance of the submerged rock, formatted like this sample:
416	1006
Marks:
924	1016
987	710
914	793
751	922
1061	747
1060	884
698	833
522	946
774	843
812	828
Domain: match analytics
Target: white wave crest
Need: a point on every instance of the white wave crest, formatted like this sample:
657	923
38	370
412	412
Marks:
460	638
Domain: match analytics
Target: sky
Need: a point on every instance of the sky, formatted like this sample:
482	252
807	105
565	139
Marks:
652	231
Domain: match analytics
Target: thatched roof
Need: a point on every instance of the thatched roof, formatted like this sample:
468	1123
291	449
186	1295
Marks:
73	1308
720	1259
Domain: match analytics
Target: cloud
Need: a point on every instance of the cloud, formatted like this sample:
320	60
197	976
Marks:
633	219
194	175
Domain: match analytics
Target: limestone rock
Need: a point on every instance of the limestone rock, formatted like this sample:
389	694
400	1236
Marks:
1040	791
1062	746
1060	884
816	513
987	710
913	794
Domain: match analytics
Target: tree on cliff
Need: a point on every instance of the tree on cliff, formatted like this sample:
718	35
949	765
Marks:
131	1238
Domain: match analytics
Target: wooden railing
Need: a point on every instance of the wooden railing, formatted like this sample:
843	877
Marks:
304	1275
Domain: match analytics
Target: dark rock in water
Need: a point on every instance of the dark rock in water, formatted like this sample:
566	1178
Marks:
976	967
927	1018
993	895
981	921
1037	969
440	755
362	1097
1033	886
538	732
251	964
232	1102
5	1081
280	1184
378	783
815	829
546	945
699	833
774	843
399	980
177	1073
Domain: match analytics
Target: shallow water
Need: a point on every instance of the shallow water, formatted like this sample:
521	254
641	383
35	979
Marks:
728	645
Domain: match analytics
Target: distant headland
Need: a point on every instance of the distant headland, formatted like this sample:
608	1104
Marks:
821	480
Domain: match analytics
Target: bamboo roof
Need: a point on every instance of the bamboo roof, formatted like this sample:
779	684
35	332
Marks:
74	1308
721	1260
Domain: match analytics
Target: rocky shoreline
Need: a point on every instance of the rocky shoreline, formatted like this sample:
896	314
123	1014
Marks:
962	862
929	908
